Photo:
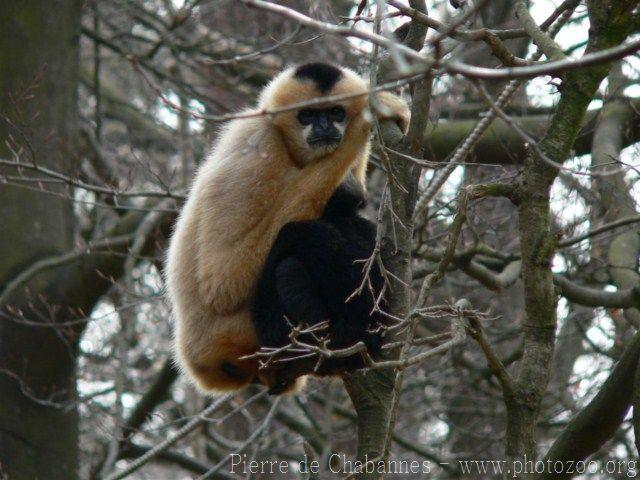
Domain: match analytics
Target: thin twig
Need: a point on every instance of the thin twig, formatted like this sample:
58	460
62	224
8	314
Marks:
258	432
183	432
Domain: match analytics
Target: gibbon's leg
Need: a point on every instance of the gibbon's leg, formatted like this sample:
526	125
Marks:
298	293
298	298
322	263
291	293
314	281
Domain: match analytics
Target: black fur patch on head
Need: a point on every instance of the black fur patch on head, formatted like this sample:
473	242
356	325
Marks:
324	75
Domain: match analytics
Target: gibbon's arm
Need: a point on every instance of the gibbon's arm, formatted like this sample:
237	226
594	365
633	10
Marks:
249	198
255	186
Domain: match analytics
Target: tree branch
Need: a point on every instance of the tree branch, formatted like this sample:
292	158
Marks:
599	420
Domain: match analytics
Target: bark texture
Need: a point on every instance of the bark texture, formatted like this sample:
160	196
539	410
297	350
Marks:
38	104
610	24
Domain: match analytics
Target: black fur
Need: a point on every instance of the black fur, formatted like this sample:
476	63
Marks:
310	272
232	371
324	75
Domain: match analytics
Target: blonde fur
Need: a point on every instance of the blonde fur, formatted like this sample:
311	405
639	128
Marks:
259	176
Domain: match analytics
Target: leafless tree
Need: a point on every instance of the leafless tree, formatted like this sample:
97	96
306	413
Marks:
507	235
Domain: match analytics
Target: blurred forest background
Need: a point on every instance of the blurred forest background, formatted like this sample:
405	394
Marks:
512	205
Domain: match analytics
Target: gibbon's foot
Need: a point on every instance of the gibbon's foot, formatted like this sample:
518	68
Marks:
274	385
374	341
232	371
283	379
283	386
279	381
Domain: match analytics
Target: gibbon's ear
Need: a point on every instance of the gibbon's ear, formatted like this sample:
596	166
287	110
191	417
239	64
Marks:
393	107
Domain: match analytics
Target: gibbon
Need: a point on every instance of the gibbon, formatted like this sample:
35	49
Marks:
264	171
310	273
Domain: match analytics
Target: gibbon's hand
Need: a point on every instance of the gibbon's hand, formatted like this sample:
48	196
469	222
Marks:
389	106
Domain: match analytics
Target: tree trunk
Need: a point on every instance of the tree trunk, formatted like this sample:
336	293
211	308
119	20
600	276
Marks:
38	113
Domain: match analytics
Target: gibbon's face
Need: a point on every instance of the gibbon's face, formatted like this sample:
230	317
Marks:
314	132
323	128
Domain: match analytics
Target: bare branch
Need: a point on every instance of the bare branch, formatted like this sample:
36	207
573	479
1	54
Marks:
549	68
162	446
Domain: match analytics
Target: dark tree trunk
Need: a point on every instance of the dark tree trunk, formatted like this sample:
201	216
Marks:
38	113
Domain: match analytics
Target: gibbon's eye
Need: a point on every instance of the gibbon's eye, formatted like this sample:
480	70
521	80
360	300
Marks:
337	113
305	116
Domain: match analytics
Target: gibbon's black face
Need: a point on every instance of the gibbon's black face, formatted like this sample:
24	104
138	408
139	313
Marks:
323	127
315	132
